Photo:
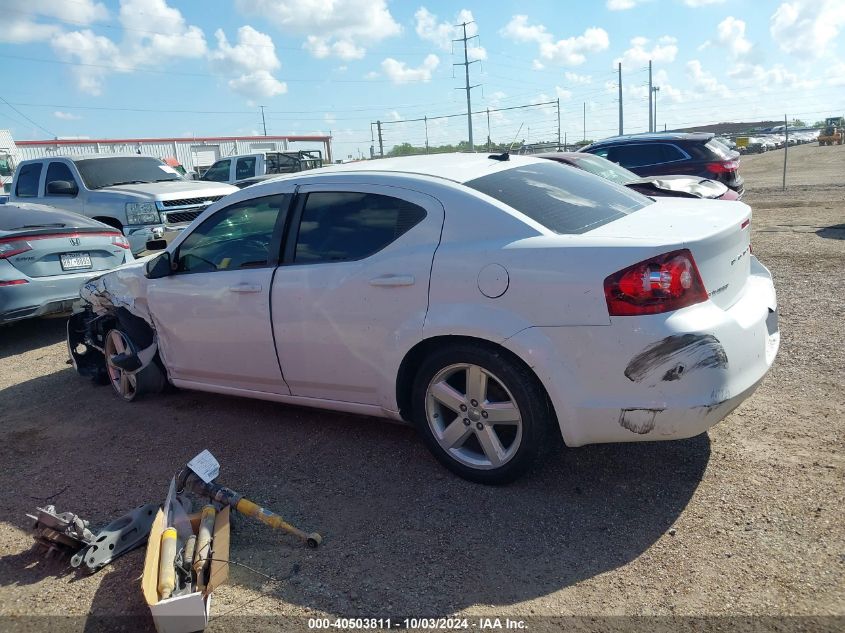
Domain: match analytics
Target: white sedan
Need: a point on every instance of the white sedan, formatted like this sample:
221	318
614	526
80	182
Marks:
488	300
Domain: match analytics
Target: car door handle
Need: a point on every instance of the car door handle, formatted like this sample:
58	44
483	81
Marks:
245	287
393	280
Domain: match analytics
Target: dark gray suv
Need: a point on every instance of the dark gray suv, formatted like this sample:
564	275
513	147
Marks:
665	154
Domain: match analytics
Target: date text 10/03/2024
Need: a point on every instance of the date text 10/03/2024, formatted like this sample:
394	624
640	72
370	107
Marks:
416	623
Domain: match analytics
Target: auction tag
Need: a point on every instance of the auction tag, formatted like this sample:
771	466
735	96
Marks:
205	466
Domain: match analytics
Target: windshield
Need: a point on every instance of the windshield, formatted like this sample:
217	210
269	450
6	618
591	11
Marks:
104	172
606	169
566	201
6	167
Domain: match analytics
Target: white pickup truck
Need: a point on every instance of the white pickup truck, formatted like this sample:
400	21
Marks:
235	168
139	195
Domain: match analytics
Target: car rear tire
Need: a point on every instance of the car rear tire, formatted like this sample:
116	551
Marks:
481	413
130	386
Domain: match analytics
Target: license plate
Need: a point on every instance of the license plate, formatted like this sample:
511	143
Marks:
75	261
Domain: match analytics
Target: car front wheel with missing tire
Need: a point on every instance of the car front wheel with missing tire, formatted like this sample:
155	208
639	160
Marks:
480	411
129	385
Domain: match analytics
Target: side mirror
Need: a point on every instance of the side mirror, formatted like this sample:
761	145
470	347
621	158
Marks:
156	245
62	188
159	267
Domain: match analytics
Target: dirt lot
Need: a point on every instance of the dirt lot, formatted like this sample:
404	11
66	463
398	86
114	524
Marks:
744	521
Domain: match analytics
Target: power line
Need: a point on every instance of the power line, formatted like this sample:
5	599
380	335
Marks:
43	129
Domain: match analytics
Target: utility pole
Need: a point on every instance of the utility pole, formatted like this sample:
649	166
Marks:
263	122
558	124
585	121
488	129
380	141
651	119
467	87
785	147
654	91
425	118
621	131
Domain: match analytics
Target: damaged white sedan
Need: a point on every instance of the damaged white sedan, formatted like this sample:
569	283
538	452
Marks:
489	300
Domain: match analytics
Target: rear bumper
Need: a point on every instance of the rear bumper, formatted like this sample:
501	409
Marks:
40	296
656	377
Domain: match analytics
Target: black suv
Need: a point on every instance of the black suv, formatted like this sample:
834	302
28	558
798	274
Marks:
665	154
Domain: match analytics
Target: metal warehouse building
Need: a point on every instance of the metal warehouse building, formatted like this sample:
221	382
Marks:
195	154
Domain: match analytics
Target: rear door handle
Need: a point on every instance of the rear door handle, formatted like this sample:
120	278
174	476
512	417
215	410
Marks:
393	280
245	287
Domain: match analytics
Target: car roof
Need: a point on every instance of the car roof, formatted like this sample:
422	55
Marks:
77	157
655	137
457	167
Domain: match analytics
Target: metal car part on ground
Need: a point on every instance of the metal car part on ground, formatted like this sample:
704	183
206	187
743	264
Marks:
68	534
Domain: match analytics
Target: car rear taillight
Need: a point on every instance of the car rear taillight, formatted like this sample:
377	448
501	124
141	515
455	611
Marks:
723	167
13	282
660	284
120	240
11	246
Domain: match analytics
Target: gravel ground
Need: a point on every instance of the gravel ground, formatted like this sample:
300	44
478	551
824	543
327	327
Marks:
746	520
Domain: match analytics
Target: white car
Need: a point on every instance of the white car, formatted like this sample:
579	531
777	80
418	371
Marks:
489	300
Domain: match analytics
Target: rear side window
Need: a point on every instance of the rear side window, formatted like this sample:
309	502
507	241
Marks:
245	168
637	155
564	200
347	226
28	178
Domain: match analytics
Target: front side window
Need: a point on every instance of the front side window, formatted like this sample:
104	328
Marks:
28	178
56	172
566	201
348	226
237	237
245	168
218	172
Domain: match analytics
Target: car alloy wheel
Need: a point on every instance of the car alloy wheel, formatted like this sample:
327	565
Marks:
473	416
124	384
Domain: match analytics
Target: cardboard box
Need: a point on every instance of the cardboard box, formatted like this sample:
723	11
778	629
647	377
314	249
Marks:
188	613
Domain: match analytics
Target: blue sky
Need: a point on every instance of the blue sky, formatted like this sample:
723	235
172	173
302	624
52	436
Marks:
134	68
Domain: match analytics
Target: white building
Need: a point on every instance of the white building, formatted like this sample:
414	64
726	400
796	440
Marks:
194	154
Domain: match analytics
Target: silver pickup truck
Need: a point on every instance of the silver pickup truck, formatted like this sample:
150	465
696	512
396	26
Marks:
140	195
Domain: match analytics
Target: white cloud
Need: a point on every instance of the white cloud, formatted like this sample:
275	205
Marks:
575	78
622	5
663	51
399	72
805	27
563	94
441	34
571	51
764	80
731	33
21	28
338	28
66	116
702	3
253	59
703	81
154	34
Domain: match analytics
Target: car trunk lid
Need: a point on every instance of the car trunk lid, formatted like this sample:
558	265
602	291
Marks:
718	234
50	250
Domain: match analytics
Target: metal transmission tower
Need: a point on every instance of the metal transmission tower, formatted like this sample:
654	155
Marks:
468	87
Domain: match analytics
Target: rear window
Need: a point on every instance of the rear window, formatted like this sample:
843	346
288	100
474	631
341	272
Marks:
719	148
566	201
